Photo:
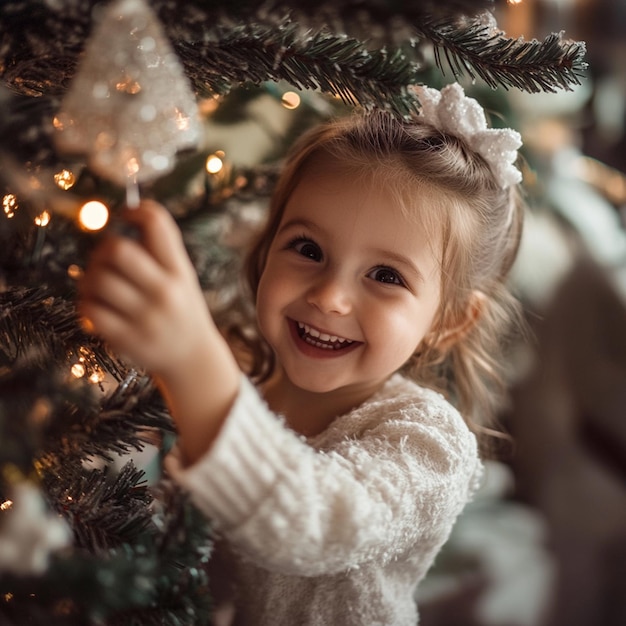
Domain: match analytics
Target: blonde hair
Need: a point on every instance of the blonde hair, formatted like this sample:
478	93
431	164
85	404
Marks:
479	226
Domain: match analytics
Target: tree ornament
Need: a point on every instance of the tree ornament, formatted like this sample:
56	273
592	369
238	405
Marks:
29	533
130	107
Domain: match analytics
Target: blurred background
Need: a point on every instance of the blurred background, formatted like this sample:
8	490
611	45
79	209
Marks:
549	530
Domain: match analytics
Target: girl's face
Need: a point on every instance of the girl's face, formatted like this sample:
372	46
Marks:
350	287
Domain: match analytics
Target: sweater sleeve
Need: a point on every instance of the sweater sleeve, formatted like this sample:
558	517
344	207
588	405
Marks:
297	510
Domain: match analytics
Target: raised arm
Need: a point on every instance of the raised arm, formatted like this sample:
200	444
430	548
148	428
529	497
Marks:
143	297
391	483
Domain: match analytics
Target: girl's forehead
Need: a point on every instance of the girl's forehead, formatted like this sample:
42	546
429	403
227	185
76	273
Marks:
398	191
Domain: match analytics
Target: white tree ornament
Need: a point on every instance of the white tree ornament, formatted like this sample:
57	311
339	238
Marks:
28	532
130	107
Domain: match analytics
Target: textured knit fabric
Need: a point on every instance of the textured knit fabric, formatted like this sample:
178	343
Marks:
340	528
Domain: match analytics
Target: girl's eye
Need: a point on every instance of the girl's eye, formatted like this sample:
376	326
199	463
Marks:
386	275
307	248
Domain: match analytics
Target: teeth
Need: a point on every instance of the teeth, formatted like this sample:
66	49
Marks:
311	333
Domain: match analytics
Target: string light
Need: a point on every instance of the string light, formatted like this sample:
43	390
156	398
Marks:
40	412
74	271
65	179
241	181
9	205
290	100
43	219
93	215
87	367
6	505
78	370
214	163
97	376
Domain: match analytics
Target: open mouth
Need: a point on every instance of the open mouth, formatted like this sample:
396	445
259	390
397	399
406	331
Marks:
321	340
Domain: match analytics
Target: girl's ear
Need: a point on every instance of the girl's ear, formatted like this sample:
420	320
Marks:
448	337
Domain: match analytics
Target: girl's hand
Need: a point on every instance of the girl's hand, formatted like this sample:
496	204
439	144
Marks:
143	297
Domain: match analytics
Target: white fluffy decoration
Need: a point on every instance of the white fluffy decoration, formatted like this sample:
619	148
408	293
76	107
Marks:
29	533
451	111
131	107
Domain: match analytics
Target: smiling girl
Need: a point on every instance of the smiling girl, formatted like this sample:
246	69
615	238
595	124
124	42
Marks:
334	468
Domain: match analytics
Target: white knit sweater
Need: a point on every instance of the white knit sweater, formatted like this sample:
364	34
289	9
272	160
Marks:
336	530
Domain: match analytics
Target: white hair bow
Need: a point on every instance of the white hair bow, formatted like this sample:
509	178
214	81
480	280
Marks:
453	112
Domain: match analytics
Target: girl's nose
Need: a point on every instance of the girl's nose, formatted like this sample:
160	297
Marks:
330	294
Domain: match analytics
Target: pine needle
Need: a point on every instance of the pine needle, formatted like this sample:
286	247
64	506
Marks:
532	66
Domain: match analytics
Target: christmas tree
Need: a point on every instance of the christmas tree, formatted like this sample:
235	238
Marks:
86	535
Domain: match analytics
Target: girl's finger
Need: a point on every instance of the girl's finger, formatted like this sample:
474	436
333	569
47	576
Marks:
127	258
159	233
109	325
113	291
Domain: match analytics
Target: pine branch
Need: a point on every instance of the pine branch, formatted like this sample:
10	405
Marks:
377	22
383	8
103	511
183	546
39	324
334	64
306	45
111	428
533	66
158	580
42	41
40	341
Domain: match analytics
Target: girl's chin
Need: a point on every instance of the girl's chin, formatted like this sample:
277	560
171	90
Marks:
309	379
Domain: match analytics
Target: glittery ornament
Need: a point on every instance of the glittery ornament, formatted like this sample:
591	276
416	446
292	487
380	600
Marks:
130	108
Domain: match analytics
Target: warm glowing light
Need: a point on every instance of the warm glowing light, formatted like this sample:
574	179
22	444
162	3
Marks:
64	179
74	271
97	376
93	215
85	366
43	219
241	181
182	120
8	596
515	1
208	106
9	205
78	370
290	100
128	85
214	164
7	504
40	412
132	166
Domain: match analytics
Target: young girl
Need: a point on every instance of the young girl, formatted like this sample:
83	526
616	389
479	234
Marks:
335	478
